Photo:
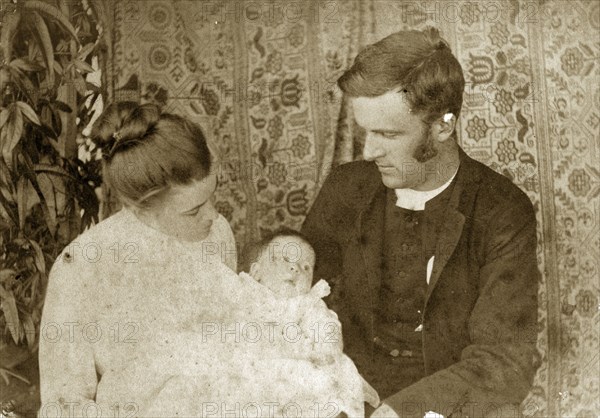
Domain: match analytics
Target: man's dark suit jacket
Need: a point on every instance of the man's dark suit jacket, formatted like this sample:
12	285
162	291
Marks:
480	314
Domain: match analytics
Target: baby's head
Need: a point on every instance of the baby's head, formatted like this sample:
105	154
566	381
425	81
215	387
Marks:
284	262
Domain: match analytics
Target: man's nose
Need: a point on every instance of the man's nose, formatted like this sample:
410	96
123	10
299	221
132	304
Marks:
372	149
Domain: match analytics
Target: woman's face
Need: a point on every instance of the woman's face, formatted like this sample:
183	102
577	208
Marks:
184	211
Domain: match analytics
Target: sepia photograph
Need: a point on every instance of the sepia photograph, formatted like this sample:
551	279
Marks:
300	208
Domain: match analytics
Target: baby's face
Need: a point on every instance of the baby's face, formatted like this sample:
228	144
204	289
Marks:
286	266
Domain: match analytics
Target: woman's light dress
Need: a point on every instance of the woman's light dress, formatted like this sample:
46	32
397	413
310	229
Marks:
137	323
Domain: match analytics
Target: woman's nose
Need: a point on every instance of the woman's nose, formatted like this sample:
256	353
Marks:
372	149
212	212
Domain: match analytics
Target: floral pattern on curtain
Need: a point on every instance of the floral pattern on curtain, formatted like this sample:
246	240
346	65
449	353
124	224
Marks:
259	77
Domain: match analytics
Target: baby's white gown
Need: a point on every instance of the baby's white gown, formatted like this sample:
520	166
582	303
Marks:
294	368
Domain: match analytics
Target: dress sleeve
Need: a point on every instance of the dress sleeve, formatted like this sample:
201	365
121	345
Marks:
68	379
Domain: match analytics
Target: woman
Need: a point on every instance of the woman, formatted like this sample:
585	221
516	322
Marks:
121	290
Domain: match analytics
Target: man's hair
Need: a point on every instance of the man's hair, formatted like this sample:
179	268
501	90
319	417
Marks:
418	63
253	251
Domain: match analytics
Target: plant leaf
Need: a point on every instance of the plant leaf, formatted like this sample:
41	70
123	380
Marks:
6	209
7	189
4	116
6	274
85	51
49	216
43	37
49	168
14	129
47	131
79	84
83	66
9	307
53	13
62	106
29	112
26	65
29	329
24	83
40	261
92	87
48	195
36	278
10	22
58	68
22	184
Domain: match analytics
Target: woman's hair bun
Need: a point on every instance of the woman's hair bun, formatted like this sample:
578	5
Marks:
441	45
124	124
433	37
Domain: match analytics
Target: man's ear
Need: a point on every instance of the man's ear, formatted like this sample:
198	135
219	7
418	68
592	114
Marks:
444	127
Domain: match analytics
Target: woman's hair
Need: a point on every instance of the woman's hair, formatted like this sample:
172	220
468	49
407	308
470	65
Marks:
418	63
145	152
253	251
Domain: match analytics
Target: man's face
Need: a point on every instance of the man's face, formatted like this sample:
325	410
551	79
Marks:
286	266
394	138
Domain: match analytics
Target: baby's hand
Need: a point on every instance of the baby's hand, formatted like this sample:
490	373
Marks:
321	289
319	359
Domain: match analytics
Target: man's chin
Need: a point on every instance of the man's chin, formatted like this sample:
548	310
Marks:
392	182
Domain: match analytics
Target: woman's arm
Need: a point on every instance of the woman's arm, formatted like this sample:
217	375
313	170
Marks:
67	370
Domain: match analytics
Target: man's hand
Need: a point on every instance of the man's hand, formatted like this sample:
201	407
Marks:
384	411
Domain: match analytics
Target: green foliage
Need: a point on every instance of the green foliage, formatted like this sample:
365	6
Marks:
47	194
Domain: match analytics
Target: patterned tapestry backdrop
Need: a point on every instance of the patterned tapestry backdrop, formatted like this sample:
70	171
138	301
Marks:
260	79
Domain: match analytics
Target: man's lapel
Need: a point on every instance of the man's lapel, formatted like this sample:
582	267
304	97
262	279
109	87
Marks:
450	232
453	220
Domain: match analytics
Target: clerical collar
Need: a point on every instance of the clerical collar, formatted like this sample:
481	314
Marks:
416	199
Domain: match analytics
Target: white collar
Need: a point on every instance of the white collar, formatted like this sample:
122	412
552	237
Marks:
416	199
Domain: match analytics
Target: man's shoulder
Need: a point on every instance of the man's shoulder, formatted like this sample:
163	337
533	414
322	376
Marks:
497	191
368	168
355	180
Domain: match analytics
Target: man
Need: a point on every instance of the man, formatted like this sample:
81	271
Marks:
431	255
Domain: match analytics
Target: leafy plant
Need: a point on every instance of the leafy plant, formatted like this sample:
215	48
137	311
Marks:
47	193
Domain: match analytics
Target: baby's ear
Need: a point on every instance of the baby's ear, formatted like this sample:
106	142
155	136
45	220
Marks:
254	270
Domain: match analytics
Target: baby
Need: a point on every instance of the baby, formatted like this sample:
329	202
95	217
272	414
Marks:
281	267
301	371
283	263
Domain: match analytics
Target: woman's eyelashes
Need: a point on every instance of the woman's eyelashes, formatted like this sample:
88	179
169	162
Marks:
194	211
391	135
